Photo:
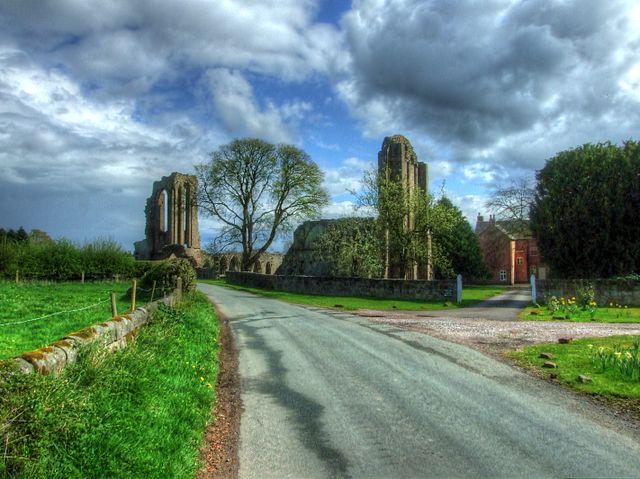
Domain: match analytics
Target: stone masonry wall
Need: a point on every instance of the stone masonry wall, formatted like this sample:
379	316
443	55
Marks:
375	288
112	334
619	291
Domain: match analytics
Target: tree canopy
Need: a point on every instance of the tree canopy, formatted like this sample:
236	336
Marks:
458	250
256	190
512	201
586	213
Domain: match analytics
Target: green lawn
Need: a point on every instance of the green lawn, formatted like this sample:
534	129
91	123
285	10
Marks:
471	295
606	314
581	357
136	413
34	300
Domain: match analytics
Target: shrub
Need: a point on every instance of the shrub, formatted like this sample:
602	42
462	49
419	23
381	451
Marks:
586	295
166	273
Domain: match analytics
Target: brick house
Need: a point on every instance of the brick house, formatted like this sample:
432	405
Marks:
510	250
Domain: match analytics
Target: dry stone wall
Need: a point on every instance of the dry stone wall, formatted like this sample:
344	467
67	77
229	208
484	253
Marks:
332	286
618	291
112	334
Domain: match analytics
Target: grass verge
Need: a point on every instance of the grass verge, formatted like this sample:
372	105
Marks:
33	300
471	296
611	314
580	357
139	413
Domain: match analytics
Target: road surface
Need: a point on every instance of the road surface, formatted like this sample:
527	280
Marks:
332	395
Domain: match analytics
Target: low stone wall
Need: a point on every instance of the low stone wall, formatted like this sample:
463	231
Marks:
618	291
375	288
113	334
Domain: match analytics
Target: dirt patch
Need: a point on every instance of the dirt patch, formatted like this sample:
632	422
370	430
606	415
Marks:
219	453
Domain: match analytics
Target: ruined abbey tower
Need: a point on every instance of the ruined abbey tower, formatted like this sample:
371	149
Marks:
172	220
399	162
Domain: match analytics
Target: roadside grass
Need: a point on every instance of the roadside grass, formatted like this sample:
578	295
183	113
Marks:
33	300
582	357
471	295
140	412
601	314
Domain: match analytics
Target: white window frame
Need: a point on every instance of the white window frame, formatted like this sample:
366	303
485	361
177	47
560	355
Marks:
503	275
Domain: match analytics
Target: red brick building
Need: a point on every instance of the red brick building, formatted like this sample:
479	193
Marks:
510	250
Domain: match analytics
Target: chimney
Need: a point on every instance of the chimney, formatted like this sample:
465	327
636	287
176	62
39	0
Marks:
492	219
480	218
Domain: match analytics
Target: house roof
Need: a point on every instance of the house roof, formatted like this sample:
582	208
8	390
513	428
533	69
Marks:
514	229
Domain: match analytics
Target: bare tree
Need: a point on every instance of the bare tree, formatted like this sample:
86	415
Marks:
512	201
256	190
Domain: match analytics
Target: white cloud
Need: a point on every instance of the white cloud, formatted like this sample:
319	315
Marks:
532	79
347	177
235	103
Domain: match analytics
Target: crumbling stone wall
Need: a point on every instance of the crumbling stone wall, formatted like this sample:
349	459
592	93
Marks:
172	220
444	290
112	334
398	160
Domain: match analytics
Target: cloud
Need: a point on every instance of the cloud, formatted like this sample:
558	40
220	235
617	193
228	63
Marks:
71	163
123	41
347	177
486	80
235	103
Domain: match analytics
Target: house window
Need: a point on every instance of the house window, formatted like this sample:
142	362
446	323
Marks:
519	261
503	275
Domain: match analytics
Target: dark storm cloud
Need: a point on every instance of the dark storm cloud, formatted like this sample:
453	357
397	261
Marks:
484	77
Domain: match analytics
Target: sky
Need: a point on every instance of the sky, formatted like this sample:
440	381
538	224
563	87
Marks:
99	99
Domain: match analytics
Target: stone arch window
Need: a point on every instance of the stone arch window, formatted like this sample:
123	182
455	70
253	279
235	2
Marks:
267	268
223	264
235	264
257	267
162	202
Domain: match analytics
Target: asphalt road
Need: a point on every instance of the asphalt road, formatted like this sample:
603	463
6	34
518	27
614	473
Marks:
331	395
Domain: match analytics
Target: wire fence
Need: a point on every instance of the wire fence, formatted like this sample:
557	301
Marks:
155	294
55	314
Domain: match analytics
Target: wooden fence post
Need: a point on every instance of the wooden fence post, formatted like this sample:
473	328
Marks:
459	289
82	278
17	276
153	290
134	285
114	309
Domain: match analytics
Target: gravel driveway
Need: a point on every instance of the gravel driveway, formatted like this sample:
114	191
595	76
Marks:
493	326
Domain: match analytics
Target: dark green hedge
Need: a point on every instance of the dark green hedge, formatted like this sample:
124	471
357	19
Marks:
64	260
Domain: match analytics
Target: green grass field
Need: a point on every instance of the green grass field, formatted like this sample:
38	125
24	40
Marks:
34	300
471	295
600	314
139	413
581	357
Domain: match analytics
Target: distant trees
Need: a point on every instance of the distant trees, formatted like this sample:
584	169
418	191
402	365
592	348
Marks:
512	201
256	190
40	257
458	250
586	213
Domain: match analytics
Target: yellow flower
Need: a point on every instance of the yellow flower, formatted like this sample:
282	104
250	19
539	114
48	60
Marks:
618	354
625	306
628	355
201	378
590	346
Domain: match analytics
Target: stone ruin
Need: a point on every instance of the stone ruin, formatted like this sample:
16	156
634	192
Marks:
398	158
172	220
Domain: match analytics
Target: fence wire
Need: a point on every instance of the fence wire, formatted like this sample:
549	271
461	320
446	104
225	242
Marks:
56	314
